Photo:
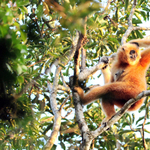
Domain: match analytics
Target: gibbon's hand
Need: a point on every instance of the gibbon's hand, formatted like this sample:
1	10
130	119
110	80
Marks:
106	69
105	60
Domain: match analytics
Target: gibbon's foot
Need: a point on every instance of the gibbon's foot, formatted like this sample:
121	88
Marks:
79	90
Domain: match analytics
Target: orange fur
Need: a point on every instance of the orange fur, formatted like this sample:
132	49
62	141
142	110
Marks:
130	67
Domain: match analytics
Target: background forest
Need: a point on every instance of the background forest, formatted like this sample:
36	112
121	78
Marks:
43	44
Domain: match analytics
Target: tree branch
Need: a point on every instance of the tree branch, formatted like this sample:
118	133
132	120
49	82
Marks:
53	93
86	140
56	112
89	71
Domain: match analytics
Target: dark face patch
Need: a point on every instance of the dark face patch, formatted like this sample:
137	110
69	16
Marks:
133	54
137	44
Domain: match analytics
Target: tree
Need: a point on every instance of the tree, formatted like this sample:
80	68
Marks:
42	44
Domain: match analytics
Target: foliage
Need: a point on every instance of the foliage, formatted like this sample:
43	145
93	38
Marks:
33	35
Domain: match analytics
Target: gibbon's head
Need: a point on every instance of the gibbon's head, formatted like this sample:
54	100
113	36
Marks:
129	53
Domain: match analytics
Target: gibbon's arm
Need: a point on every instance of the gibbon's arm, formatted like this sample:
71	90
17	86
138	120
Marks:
106	74
106	70
141	42
145	57
145	54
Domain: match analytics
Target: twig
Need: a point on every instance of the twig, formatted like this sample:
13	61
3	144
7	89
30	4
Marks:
108	17
131	126
42	59
106	8
89	71
16	96
67	114
64	83
130	26
35	20
64	102
142	130
141	28
64	88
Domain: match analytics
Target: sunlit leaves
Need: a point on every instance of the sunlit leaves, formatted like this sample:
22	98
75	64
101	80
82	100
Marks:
74	16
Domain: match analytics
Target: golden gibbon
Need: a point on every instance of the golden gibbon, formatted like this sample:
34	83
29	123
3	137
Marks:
126	79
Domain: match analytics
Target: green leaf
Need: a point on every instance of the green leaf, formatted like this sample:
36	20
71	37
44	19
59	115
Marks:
54	147
140	118
40	11
141	1
23	36
22	2
19	69
4	29
136	21
126	4
139	34
20	79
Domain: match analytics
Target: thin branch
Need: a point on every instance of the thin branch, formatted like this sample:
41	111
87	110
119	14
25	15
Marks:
89	71
48	70
47	120
83	51
71	130
141	28
142	130
64	102
67	114
64	88
130	28
16	96
108	17
106	8
78	107
132	129
42	59
67	88
35	20
56	112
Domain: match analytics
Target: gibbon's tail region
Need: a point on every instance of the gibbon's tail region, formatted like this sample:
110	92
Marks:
126	78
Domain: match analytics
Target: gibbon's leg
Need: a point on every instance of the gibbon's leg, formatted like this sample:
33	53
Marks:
108	109
117	93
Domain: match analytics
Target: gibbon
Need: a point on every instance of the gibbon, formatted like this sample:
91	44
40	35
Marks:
125	80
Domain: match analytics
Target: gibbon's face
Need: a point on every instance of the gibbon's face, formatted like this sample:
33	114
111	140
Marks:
129	53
